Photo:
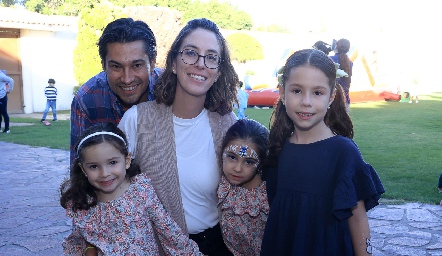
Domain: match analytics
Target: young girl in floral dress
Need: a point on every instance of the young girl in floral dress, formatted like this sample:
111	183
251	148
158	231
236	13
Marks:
242	193
114	210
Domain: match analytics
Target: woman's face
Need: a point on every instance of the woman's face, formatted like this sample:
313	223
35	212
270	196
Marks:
195	80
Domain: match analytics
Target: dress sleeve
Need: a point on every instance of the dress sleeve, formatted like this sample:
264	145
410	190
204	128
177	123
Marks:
223	189
74	244
173	240
363	184
128	125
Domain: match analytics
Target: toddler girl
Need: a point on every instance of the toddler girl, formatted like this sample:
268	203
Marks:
114	210
241	193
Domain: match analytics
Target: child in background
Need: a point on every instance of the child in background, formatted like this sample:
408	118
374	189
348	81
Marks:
414	91
243	98
241	193
114	210
51	100
319	187
323	47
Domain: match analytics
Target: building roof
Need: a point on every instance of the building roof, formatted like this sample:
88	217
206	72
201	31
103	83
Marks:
24	19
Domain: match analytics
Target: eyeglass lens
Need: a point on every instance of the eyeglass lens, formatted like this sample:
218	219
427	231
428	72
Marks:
191	57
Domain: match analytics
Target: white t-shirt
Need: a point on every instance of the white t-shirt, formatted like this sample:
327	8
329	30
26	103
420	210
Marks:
197	168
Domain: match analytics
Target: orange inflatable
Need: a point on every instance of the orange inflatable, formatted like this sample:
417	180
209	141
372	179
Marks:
263	97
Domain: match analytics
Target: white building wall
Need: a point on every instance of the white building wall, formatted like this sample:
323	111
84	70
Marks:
47	54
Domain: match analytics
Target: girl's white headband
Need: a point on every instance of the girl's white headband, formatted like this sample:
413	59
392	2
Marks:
98	133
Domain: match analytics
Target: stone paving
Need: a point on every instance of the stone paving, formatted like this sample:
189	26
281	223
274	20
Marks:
33	223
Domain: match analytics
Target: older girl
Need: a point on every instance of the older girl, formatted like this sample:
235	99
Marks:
318	185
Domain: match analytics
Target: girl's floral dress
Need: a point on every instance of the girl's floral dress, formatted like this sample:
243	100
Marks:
125	226
243	216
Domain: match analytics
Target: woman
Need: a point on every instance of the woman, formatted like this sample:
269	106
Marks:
177	138
341	50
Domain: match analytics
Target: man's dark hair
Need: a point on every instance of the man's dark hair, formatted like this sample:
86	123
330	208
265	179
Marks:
126	30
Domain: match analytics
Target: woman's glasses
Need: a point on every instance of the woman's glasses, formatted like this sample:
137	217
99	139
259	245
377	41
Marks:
191	57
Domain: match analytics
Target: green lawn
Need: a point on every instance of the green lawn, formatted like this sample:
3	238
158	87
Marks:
55	135
401	140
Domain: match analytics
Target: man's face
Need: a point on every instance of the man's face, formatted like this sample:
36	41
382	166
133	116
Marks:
128	68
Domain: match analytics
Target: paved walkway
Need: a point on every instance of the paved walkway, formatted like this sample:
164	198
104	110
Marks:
33	223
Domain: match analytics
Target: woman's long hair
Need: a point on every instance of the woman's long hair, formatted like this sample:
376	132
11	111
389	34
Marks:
222	94
342	48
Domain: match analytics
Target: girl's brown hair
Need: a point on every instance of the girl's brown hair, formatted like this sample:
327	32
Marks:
77	192
336	118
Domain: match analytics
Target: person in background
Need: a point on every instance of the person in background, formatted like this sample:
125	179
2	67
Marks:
51	100
414	90
6	86
322	46
340	57
243	98
127	49
318	185
176	139
242	195
114	210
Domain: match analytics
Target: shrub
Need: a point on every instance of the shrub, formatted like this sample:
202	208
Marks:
244	47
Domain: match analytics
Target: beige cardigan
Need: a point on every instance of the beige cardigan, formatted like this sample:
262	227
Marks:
156	152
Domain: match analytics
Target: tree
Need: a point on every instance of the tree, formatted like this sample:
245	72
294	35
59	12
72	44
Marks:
87	62
7	3
244	47
165	24
59	7
223	14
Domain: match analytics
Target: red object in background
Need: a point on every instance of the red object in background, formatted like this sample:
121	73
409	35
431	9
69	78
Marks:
268	97
390	96
263	97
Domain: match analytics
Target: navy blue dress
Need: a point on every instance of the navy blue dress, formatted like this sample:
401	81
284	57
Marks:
311	194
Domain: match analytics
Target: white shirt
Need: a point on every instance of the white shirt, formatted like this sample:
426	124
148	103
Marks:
197	167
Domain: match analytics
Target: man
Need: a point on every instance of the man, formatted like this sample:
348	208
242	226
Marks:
6	86
127	49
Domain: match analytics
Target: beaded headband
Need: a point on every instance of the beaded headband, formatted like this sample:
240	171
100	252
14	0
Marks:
96	134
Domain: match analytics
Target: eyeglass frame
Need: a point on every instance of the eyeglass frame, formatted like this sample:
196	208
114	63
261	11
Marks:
199	56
